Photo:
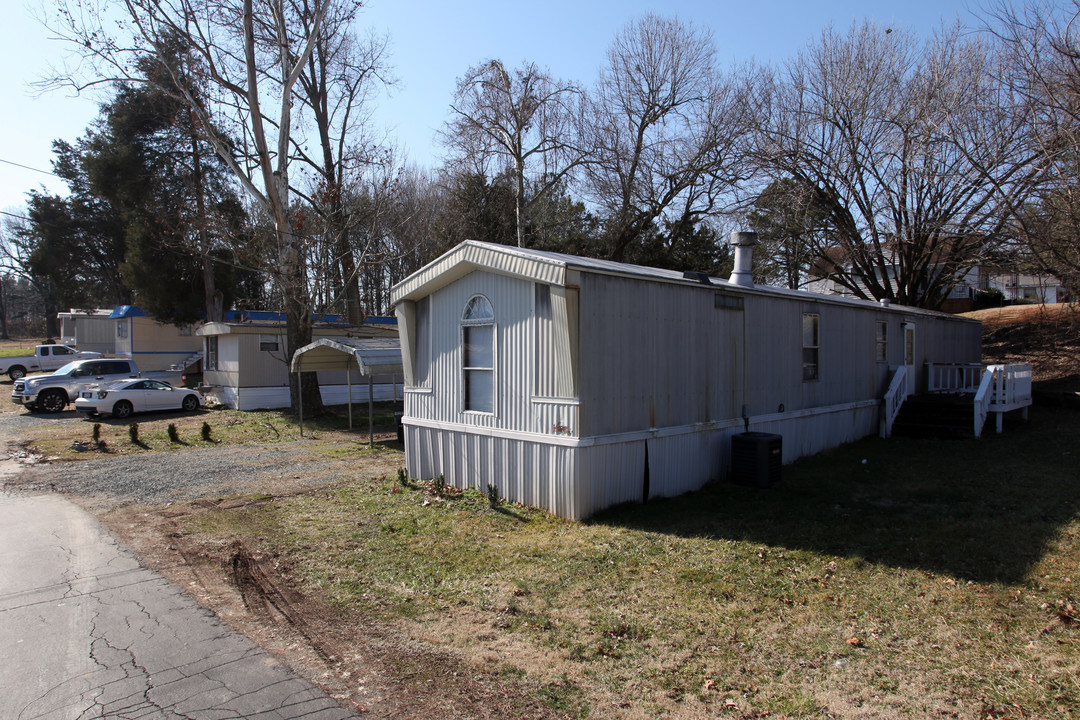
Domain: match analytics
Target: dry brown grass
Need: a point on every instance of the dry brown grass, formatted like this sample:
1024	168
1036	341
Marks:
1046	336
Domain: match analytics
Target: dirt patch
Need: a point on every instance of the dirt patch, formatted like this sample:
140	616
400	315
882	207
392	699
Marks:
1045	336
371	667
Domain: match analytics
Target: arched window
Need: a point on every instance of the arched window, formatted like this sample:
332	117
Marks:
478	340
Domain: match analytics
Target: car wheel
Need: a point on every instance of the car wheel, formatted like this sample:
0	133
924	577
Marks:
122	409
18	372
190	403
52	401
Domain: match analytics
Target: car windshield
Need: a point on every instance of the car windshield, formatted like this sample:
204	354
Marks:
66	369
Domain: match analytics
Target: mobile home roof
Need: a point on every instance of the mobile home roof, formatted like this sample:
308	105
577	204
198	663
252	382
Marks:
558	268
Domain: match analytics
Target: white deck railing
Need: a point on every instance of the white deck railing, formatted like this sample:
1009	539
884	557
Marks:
998	388
983	398
894	398
953	377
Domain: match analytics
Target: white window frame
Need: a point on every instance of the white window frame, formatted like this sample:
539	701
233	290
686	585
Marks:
811	347
468	371
212	354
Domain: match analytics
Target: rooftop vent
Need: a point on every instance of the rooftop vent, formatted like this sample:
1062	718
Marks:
744	243
700	277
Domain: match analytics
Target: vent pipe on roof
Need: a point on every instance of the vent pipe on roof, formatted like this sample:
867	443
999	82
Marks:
744	243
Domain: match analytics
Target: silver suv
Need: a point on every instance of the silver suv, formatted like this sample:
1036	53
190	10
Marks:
52	393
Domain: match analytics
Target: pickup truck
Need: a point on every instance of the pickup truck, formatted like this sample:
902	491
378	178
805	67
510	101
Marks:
45	358
52	393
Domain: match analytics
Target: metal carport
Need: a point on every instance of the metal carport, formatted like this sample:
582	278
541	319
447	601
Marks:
370	356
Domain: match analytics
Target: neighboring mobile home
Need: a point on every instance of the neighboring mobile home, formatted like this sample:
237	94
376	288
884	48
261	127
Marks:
576	384
88	330
151	344
245	365
127	330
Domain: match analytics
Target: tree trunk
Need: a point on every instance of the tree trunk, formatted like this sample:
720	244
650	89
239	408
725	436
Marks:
212	298
3	309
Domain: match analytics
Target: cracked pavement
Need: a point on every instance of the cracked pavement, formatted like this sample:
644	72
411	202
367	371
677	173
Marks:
86	632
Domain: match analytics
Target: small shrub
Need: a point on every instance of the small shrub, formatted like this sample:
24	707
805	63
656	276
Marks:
402	476
440	485
988	299
493	496
174	436
206	432
95	434
133	432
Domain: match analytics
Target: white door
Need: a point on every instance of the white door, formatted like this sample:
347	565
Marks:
909	355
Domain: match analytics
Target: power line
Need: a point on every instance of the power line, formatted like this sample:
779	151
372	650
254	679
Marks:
27	167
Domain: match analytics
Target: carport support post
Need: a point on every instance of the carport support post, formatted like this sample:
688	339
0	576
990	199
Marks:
348	382
371	410
300	395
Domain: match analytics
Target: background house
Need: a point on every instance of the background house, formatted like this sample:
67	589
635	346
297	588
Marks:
245	365
575	384
1027	287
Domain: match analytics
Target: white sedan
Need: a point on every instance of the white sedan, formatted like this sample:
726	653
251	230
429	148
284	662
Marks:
121	399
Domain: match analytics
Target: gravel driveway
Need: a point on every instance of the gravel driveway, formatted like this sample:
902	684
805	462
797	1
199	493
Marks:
188	473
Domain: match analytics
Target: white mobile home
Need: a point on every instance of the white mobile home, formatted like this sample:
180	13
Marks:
575	384
245	365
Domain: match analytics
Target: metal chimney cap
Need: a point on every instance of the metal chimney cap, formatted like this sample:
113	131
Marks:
743	238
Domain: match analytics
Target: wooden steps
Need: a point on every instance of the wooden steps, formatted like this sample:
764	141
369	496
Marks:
939	415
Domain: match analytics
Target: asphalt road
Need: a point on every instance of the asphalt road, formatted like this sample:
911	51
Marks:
85	632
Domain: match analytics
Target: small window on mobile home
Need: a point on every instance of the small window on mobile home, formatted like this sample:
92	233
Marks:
268	343
545	351
478	358
881	352
212	353
809	346
422	361
121	328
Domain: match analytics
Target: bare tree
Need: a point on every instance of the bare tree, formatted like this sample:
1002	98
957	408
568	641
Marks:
16	263
252	56
526	118
337	85
662	128
1042	42
916	150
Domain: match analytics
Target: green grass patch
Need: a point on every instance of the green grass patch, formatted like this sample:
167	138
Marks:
16	351
918	577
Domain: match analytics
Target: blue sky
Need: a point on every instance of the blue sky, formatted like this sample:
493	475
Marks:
432	43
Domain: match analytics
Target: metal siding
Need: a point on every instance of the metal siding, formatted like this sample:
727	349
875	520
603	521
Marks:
512	301
95	333
655	355
470	256
609	475
530	473
682	463
406	317
550	417
811	433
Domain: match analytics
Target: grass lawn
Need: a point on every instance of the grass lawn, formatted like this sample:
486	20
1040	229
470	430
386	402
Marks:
899	578
18	351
